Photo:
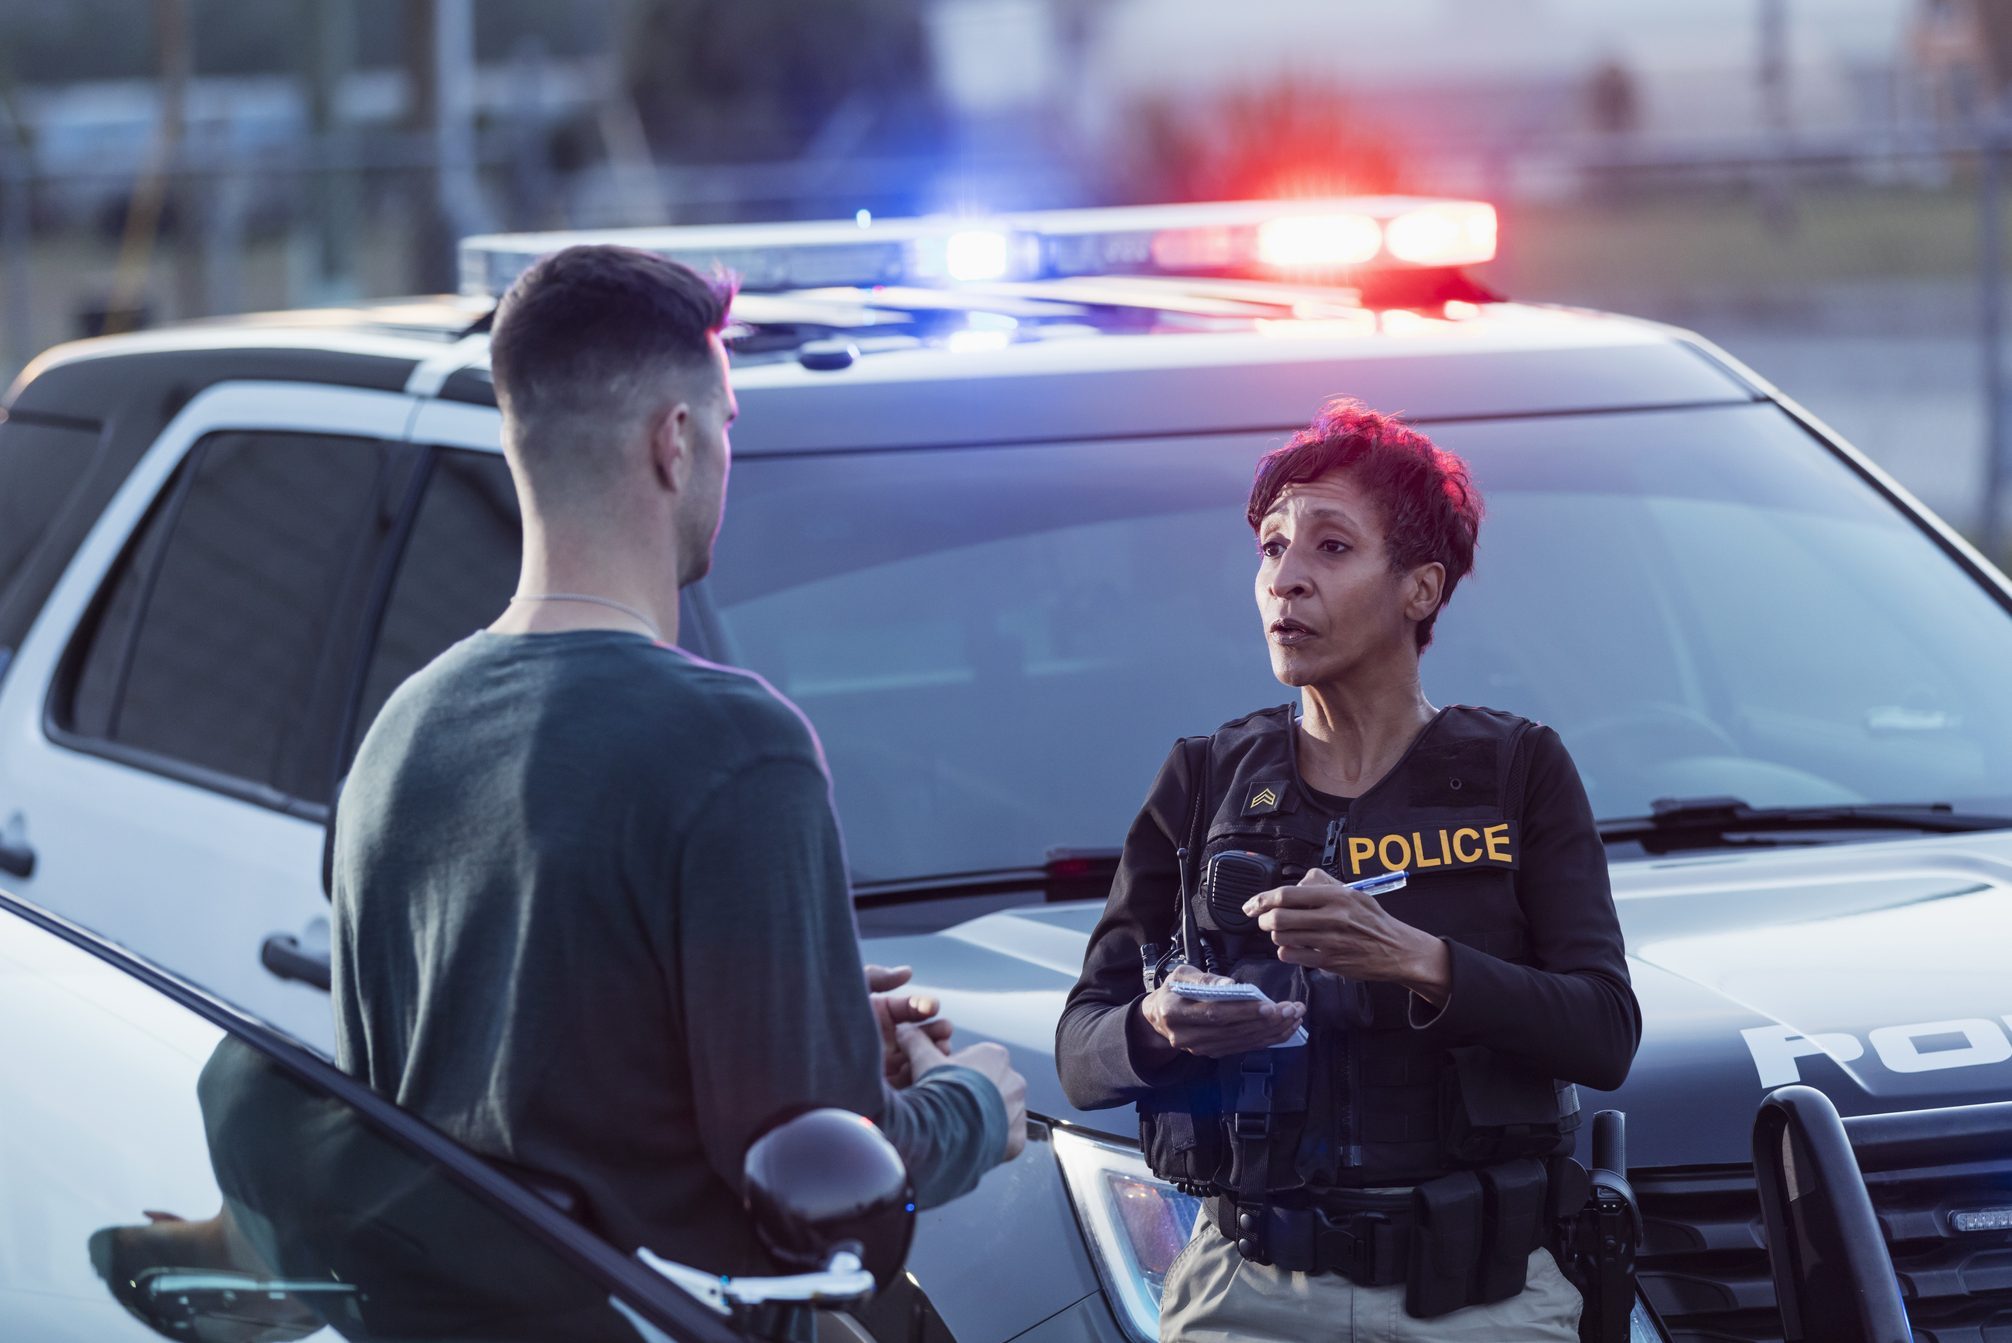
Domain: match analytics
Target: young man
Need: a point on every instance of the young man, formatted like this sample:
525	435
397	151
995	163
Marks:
591	911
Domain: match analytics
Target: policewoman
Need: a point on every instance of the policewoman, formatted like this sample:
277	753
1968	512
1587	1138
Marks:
1380	1144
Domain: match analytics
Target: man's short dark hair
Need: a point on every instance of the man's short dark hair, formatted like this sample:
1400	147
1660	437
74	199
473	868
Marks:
583	330
1430	509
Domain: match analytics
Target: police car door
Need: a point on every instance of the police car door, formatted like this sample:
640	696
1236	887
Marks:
170	726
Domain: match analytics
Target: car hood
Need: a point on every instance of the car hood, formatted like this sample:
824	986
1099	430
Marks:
1875	972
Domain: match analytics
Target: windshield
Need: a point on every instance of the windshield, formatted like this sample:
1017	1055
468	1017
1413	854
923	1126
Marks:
998	646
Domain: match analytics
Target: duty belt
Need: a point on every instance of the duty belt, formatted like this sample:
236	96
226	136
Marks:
1457	1240
1370	1246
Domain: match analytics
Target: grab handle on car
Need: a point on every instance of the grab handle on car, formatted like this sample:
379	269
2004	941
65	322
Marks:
281	953
1833	1275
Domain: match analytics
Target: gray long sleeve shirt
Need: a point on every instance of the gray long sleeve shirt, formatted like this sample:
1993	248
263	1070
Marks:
592	917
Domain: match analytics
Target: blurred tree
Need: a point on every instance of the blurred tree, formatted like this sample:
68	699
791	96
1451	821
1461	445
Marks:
1614	109
78	39
1613	101
776	79
13	127
1291	138
100	39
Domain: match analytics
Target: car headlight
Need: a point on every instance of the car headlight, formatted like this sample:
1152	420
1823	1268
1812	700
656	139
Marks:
1135	1224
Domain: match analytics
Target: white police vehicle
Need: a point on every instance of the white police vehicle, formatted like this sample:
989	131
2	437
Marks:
986	528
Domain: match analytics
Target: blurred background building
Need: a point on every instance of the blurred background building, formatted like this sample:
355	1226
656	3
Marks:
1813	183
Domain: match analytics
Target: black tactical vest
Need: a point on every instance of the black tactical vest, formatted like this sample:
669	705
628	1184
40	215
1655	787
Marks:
1369	1100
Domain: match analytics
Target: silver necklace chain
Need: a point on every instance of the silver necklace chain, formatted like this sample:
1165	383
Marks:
609	602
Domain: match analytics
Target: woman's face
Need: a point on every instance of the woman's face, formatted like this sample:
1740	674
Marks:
1330	604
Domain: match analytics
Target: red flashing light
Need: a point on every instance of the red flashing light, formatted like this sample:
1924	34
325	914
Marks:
1318	242
1444	233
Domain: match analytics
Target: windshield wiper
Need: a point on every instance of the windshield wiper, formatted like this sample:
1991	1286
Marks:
1700	822
1065	874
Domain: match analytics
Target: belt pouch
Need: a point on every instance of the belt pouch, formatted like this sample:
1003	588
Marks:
1494	1110
1512	1214
1445	1245
1182	1135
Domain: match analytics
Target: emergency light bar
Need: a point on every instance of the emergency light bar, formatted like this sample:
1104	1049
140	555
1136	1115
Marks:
1331	239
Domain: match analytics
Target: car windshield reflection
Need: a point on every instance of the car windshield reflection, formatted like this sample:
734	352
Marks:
325	1223
1704	602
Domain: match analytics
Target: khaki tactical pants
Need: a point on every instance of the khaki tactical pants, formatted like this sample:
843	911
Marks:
1215	1295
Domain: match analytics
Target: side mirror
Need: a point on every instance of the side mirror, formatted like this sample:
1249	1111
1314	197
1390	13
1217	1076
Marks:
830	1197
828	1181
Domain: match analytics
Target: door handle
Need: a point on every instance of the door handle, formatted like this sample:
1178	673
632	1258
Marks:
282	955
17	856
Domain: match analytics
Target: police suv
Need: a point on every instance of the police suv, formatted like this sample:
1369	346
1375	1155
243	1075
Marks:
986	528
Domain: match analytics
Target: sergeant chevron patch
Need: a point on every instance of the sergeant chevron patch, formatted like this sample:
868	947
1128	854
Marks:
1264	798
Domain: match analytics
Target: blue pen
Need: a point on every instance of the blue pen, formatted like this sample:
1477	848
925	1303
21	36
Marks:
1381	884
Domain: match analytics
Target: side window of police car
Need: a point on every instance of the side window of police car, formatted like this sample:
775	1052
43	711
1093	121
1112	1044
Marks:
42	466
218	648
457	571
455	575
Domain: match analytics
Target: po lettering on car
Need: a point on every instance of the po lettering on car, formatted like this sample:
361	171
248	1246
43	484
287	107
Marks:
1922	1047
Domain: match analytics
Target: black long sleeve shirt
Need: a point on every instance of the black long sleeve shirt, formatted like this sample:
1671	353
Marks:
1571	1015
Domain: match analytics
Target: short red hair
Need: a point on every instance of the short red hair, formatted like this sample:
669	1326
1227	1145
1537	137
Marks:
1431	510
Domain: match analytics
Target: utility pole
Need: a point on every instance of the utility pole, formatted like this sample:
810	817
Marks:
154	191
184	203
1774	63
440	37
1777	203
1991	278
333	190
17	332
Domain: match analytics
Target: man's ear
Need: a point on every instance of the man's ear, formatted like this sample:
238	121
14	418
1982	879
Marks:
670	445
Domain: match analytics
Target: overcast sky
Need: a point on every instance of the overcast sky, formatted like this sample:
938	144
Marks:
1478	38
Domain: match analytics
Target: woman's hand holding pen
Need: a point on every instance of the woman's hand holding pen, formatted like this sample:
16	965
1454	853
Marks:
1322	924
